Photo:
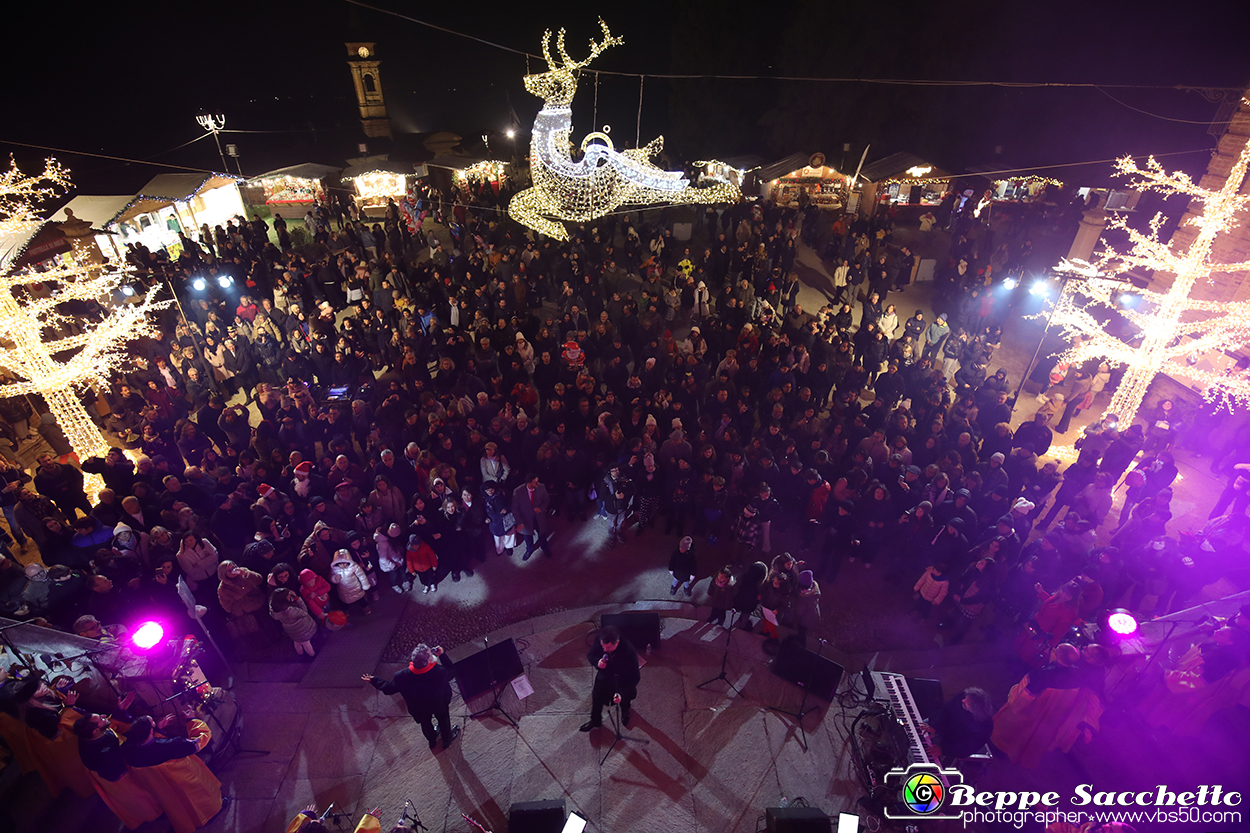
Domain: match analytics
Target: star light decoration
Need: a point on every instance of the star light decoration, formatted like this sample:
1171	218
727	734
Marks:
1171	326
45	350
604	179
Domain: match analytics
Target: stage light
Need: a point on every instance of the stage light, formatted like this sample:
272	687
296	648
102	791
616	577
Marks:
1121	622
128	290
224	281
1040	288
1127	300
148	635
1010	284
199	284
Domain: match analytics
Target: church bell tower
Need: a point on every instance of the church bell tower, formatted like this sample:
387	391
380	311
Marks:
367	78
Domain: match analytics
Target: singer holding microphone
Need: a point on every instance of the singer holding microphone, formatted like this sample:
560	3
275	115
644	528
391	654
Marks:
616	680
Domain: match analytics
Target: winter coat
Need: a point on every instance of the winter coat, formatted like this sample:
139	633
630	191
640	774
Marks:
421	558
198	563
315	591
350	578
241	595
496	510
299	626
683	565
319	554
720	598
390	552
932	586
805	608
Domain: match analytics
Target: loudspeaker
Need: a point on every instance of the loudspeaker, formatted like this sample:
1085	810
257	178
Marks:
640	627
490	667
536	817
819	675
797	820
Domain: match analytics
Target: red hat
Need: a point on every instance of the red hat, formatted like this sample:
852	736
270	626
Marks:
264	490
304	468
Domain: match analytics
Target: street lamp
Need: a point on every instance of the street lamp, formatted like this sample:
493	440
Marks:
214	124
510	133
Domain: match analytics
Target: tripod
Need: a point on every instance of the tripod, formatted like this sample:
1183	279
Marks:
803	710
614	714
729	635
496	703
232	743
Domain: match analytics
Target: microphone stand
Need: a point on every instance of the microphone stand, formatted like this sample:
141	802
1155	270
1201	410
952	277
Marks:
496	704
803	710
729	635
615	717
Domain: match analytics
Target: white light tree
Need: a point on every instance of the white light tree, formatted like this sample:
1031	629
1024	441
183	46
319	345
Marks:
1170	325
43	348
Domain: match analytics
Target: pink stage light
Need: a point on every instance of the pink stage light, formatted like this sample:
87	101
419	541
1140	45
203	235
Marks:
148	635
1122	623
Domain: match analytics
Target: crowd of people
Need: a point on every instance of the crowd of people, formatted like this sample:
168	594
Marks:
383	408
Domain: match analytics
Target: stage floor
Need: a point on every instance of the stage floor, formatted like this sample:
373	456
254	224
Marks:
714	762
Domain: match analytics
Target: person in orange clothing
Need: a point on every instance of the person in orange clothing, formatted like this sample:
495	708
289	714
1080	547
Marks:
173	774
1053	706
308	822
99	744
38	726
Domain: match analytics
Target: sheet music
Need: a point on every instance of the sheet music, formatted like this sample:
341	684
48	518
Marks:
521	687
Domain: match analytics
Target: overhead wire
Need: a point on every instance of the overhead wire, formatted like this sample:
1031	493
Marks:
1206	123
107	156
834	80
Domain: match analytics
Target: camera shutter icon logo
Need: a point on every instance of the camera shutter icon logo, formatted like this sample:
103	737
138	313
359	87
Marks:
924	793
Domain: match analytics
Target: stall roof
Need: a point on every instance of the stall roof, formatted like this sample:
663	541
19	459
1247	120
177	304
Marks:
14	241
782	167
166	189
455	162
306	170
747	163
383	165
97	210
897	164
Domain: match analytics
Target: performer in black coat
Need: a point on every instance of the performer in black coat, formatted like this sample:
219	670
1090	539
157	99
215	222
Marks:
425	686
616	680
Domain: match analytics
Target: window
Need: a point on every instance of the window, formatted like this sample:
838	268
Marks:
370	85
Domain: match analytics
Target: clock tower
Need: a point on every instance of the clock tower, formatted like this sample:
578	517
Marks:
363	61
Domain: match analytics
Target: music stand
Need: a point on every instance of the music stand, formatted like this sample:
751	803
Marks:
614	715
490	669
729	635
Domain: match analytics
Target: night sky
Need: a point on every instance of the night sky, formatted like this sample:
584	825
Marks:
128	79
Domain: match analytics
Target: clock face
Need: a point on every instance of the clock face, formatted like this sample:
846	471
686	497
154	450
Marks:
363	52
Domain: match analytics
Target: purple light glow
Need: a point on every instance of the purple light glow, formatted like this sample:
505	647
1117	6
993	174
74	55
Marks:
1122	623
148	635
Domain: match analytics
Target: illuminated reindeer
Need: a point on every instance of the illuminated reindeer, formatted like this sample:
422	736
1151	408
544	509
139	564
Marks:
605	178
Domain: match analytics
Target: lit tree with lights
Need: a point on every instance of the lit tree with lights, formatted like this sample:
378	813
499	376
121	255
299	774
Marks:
44	349
1172	327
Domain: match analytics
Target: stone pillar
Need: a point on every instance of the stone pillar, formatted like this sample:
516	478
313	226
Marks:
1093	223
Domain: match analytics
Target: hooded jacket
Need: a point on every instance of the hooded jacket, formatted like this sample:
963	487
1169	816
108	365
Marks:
315	591
242	594
317	554
351	580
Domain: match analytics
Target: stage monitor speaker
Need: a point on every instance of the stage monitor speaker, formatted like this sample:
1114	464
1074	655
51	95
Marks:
819	675
536	817
640	627
797	820
488	668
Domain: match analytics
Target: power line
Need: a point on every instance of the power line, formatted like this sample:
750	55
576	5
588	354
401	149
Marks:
106	156
911	82
1078	164
1206	123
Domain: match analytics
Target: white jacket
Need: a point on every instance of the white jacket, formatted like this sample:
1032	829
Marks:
198	563
351	580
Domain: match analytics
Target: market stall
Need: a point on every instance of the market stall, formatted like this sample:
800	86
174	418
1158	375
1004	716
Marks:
468	175
167	205
378	182
800	180
904	179
1024	188
296	186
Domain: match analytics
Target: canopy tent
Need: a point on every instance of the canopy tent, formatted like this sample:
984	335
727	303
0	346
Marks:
802	178
305	170
379	166
14	240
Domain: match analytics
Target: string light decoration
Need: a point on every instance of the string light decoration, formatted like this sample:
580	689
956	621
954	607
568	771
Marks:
1171	327
605	178
46	350
379	186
